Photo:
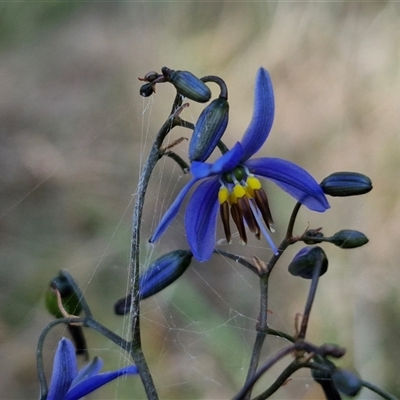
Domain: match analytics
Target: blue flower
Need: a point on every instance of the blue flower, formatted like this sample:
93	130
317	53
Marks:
69	384
230	184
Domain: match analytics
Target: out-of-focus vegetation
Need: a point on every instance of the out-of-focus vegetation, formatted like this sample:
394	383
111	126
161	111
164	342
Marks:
73	135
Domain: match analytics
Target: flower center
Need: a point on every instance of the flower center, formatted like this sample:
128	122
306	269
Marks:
242	196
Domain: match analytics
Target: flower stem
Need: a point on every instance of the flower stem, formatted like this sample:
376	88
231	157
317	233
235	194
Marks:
262	326
136	350
289	232
280	381
220	82
383	393
310	299
243	394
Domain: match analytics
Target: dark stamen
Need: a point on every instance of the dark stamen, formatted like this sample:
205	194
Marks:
224	211
261	200
238	220
247	213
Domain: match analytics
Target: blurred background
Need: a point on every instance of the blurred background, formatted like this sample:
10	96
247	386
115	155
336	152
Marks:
74	134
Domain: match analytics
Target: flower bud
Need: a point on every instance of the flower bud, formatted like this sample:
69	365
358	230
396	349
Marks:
342	184
188	85
160	274
305	261
348	239
346	382
209	129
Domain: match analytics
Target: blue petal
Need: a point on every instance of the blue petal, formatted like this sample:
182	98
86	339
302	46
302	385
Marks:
291	178
225	163
172	211
201	219
91	369
94	382
263	115
65	370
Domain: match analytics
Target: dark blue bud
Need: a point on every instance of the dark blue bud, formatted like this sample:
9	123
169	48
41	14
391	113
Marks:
305	260
160	274
342	184
209	129
346	382
188	85
348	239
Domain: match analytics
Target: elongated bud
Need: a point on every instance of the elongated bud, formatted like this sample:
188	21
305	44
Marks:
348	239
188	85
209	129
163	272
342	184
160	274
305	260
346	382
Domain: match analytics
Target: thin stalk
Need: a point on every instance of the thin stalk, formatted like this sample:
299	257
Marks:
383	393
280	381
273	360
262	325
136	350
238	259
311	296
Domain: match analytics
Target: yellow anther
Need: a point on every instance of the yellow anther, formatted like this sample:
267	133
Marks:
239	191
223	194
253	183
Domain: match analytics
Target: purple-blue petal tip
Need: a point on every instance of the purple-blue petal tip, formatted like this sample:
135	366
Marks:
263	115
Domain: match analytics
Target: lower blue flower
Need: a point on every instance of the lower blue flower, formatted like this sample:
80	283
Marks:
67	383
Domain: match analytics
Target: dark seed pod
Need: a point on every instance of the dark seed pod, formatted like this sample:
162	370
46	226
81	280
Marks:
305	260
346	382
348	239
147	89
342	184
188	85
209	129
